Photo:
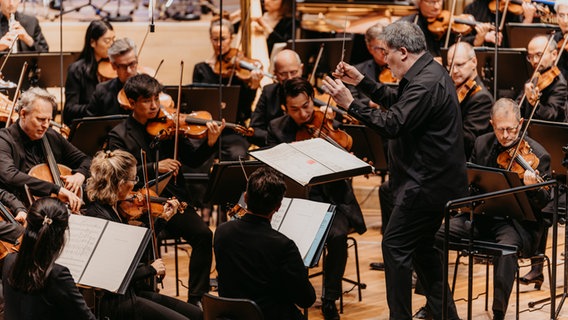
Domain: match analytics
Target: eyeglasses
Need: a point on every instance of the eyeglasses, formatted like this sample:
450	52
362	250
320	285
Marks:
538	56
131	65
433	3
510	130
135	180
561	16
459	65
380	49
288	74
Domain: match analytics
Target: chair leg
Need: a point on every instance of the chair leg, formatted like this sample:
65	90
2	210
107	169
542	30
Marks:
458	257
486	284
518	291
176	240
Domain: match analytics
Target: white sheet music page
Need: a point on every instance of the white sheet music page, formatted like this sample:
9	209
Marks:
84	234
278	216
113	256
328	155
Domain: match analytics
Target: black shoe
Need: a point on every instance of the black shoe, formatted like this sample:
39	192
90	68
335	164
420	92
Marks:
532	278
196	301
423	313
498	315
329	310
380	266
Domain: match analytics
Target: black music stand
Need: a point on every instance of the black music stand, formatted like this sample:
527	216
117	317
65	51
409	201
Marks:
369	145
520	34
308	50
227	182
552	136
205	97
514	69
44	69
89	134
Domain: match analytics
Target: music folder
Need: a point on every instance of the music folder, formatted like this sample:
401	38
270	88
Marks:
101	253
312	161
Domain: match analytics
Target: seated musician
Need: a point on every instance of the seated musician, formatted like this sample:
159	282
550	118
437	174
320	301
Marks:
276	22
259	263
550	90
113	176
143	94
124	60
287	65
35	286
83	75
298	97
21	148
24	28
561	8
221	35
475	100
507	122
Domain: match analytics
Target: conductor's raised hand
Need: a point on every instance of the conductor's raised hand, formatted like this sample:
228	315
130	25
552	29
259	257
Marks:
214	131
347	73
338	91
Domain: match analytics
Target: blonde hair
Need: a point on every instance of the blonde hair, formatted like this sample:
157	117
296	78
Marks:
108	170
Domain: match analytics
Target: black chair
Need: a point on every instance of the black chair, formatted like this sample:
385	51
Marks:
215	308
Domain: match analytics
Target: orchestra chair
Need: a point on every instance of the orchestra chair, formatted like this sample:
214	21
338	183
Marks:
351	243
215	308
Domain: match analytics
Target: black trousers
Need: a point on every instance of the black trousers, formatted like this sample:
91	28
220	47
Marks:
496	230
191	227
408	244
336	259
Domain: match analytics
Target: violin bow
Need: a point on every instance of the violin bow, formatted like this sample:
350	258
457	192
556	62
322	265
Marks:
526	126
502	23
149	209
452	13
8	55
564	42
176	135
312	76
456	47
16	94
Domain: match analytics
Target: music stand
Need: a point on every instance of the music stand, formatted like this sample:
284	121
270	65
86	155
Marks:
552	136
367	144
89	134
227	181
43	68
514	69
520	34
203	97
308	50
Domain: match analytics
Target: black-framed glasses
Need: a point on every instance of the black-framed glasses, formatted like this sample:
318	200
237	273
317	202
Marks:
135	180
131	65
510	130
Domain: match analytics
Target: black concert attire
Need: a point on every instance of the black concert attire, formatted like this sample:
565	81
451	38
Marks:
10	232
501	229
131	136
372	70
31	24
59	299
104	101
233	145
476	112
552	105
282	32
479	9
426	168
259	263
18	154
348	215
138	303
268	107
79	88
563	62
433	42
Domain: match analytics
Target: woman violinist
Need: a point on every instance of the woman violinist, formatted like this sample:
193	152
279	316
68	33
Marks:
113	176
83	75
276	22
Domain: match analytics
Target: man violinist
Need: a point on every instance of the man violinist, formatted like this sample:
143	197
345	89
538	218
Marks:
506	122
143	95
561	8
124	59
550	89
287	65
21	148
475	100
298	96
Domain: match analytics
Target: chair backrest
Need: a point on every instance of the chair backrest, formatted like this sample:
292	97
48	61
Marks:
215	308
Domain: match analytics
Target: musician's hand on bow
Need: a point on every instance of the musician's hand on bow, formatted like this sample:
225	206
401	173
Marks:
348	73
73	182
490	37
338	91
529	12
159	266
214	131
255	77
71	199
6	41
530	178
21	217
168	165
532	93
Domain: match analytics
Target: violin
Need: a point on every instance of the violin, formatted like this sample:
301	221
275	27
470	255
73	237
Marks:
105	71
194	125
438	26
321	127
462	24
545	79
516	6
61	128
6	247
386	76
235	62
469	88
525	160
319	100
135	205
5	105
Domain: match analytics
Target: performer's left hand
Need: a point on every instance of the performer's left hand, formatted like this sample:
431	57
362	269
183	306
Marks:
22	34
214	131
530	178
73	182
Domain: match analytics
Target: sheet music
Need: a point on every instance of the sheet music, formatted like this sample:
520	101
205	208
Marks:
278	216
328	155
84	234
115	253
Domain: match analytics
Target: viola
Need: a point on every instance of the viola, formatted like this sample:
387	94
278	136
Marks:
438	26
545	79
524	160
193	126
469	88
105	71
386	76
320	126
135	205
235	62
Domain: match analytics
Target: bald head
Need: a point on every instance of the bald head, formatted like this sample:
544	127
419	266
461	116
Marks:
537	49
287	65
464	63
